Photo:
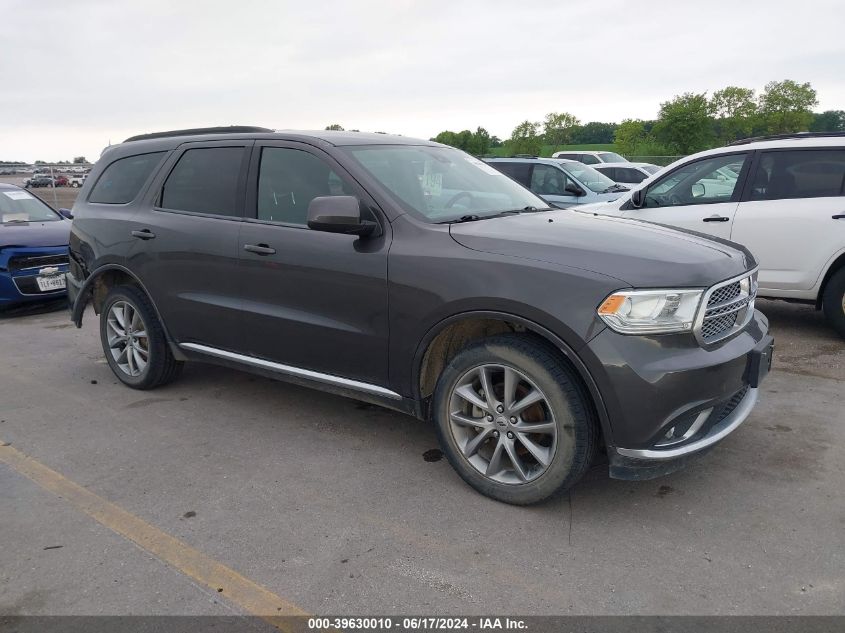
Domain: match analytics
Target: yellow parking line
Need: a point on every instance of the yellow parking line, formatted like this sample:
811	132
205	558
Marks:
250	596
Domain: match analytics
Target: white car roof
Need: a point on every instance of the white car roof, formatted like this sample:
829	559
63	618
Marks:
626	164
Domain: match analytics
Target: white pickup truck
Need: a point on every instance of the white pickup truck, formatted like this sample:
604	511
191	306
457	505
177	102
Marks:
76	180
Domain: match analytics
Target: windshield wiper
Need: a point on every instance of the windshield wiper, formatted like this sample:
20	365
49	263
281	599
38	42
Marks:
474	216
16	222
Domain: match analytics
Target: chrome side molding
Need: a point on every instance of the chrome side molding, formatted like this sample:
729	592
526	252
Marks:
289	370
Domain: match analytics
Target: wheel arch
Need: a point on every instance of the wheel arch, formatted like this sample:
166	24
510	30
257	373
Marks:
836	265
96	287
442	341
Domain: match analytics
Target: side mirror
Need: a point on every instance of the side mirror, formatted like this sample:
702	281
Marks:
697	190
66	213
574	190
637	198
339	214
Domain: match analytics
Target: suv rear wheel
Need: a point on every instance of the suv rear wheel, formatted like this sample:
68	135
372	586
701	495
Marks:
133	340
833	301
513	420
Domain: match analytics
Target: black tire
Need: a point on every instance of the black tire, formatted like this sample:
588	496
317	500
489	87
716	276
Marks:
161	366
577	430
833	301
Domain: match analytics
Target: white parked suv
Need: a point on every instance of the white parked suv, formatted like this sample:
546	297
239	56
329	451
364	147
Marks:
591	158
782	197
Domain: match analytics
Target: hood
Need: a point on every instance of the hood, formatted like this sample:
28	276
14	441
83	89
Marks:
607	205
35	234
642	255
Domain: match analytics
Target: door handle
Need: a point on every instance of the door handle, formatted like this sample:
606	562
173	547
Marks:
717	218
260	249
840	216
144	234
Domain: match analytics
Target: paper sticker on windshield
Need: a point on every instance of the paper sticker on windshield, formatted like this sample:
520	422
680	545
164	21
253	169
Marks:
432	183
483	166
18	195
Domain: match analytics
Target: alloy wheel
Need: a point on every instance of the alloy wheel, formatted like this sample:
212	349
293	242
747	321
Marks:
128	341
503	424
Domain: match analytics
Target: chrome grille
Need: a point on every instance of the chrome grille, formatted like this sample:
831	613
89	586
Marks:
27	262
729	307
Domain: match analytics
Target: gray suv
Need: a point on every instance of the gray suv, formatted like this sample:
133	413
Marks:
414	276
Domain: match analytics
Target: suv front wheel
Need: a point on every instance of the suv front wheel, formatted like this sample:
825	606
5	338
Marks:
513	420
133	340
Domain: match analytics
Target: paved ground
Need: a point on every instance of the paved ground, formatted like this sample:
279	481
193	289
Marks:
329	504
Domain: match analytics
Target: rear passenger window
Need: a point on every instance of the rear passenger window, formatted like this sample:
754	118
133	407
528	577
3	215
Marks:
521	172
289	179
589	159
799	174
205	180
122	180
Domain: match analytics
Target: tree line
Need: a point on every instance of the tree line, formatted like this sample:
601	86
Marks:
687	123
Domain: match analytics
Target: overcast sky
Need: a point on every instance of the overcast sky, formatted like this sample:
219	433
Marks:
77	74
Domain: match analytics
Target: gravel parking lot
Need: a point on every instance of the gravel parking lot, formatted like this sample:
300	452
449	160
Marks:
332	506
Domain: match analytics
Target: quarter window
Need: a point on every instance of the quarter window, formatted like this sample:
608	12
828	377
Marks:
122	180
701	182
205	180
289	179
799	174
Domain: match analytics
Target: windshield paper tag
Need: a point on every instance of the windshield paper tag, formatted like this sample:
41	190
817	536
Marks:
18	195
432	183
483	166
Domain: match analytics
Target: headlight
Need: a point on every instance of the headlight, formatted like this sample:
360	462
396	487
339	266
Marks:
650	311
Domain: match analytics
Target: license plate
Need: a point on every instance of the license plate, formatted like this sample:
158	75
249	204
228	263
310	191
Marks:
49	284
760	362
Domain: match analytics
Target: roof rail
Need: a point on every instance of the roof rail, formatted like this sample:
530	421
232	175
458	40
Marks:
791	135
524	156
231	129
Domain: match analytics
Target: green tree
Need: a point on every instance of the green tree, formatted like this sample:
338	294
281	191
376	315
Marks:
526	139
629	135
558	128
786	106
735	110
828	121
684	124
335	126
480	142
593	132
79	160
495	141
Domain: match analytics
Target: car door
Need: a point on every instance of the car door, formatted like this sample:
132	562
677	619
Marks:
311	300
693	197
186	251
792	216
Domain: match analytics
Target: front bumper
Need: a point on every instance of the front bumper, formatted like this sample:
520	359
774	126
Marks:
667	398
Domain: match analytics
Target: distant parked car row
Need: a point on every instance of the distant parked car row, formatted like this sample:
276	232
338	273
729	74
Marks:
41	180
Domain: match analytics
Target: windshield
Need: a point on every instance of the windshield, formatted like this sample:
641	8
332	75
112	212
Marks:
443	184
589	177
17	205
612	157
652	169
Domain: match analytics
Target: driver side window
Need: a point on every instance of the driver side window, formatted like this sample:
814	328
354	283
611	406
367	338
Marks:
548	181
701	182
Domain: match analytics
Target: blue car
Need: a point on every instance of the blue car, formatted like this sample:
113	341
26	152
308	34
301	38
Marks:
33	248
